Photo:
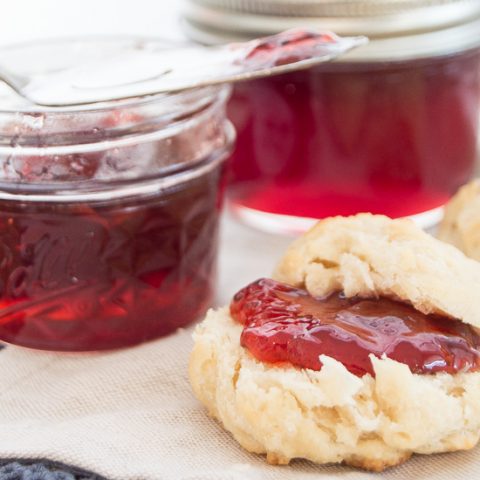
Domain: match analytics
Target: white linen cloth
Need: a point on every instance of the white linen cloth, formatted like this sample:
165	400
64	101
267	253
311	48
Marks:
131	415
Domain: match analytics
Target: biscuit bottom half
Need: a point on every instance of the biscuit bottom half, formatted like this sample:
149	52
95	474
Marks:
331	415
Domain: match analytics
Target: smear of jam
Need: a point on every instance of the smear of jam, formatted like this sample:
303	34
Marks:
286	324
289	47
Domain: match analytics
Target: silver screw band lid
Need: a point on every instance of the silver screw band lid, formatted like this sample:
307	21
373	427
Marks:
398	29
326	8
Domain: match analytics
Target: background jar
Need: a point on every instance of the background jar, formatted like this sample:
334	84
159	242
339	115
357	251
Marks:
389	128
108	212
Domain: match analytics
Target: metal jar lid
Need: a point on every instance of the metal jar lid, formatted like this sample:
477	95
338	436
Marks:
398	29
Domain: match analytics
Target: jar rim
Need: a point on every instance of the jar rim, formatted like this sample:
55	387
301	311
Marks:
25	107
93	146
59	130
97	191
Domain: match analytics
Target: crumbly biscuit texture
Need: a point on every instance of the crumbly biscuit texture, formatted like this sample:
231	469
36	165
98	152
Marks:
330	415
461	222
372	255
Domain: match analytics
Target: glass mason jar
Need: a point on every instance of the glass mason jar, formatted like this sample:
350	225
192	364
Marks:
390	128
108	212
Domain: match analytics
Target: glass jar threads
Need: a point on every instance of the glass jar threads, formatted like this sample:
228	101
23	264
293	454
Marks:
108	212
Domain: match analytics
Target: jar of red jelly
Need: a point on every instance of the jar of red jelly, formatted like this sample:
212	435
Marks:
391	127
108	212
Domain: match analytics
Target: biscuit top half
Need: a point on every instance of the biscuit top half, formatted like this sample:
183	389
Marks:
374	256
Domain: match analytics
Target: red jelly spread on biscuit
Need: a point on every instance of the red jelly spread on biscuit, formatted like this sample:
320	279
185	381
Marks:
287	324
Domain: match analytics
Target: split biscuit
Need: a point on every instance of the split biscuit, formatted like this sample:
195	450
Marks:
332	415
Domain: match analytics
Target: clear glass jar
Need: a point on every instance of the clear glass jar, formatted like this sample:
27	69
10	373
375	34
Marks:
389	128
108	214
393	138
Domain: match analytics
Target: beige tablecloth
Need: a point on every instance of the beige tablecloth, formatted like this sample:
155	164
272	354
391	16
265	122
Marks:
131	414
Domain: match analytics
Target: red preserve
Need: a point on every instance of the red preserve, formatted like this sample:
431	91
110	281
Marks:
389	128
108	213
395	139
286	324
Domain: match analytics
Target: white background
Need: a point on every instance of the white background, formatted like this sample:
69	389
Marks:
22	20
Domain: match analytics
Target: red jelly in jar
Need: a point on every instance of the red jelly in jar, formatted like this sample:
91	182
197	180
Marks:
108	215
389	128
